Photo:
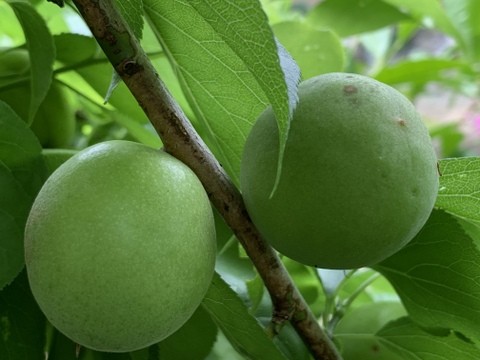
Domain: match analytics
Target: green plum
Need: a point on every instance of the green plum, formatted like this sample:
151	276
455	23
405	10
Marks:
359	174
120	246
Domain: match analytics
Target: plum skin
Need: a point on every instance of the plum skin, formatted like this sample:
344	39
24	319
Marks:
359	176
120	246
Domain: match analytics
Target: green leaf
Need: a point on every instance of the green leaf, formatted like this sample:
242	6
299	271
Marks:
139	131
356	331
349	17
244	28
464	15
458	193
229	67
413	343
9	25
98	76
74	48
437	276
418	71
55	157
22	324
430	12
62	348
132	11
193	341
317	51
22	173
232	317
42	52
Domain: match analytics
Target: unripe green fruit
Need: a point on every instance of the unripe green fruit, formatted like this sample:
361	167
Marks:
120	246
359	176
356	331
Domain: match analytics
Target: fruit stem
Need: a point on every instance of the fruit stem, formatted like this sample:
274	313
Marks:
181	140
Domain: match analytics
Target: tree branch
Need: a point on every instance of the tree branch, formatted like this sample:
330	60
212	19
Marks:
181	140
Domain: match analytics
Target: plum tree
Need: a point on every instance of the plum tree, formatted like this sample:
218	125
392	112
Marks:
120	246
358	178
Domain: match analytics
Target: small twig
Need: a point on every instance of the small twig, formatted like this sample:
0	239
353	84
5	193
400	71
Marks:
180	139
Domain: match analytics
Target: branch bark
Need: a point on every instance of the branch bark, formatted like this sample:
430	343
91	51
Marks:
181	140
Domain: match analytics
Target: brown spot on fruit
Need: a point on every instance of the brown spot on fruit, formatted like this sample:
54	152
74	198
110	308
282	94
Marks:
350	89
401	122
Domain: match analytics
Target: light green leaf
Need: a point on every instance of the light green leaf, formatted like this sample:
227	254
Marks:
42	53
413	343
418	71
437	276
244	28
132	11
429	12
229	70
317	51
349	17
232	317
459	192
464	15
139	131
9	25
98	77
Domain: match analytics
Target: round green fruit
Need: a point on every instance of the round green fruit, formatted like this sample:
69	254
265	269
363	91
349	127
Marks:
356	331
120	246
359	176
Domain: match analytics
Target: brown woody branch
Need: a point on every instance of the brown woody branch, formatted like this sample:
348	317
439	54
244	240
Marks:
181	140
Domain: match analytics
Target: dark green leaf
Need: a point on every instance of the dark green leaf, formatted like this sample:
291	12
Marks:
22	173
63	348
74	48
193	341
349	17
458	192
42	52
437	276
413	343
22	324
232	317
55	157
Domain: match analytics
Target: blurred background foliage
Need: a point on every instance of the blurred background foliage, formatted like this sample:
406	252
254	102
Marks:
428	49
